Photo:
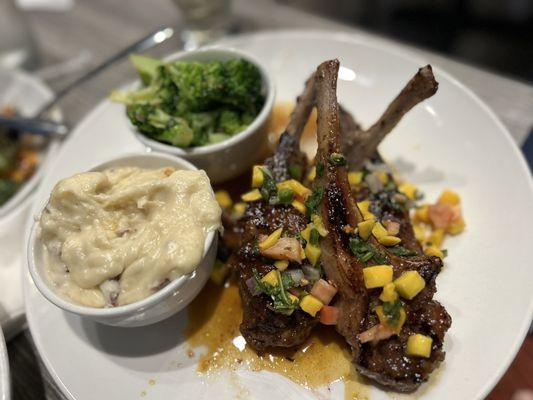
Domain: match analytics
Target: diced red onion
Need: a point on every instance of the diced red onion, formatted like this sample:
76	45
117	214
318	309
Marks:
373	182
311	273
296	275
252	286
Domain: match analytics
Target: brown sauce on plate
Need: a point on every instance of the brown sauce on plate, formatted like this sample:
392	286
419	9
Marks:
216	313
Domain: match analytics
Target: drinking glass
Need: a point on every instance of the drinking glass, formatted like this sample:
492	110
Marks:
205	20
17	49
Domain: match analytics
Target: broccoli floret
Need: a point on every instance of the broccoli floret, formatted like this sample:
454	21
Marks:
139	116
200	85
180	134
243	86
230	122
194	103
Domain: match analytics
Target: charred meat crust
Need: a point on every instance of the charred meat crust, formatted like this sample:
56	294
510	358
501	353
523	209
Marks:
262	327
384	361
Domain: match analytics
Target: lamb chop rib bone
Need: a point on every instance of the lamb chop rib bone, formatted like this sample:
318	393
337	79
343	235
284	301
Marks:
360	145
384	361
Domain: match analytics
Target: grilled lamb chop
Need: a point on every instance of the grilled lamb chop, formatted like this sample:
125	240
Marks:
383	359
263	327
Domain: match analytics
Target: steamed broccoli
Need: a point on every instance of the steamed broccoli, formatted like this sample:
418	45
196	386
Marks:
193	103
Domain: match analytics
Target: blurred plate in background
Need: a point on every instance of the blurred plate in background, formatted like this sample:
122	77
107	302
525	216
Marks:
4	370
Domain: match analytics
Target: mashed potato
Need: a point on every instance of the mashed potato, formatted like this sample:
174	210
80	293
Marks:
115	237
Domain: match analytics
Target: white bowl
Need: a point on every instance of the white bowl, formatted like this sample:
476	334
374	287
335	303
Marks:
231	157
156	307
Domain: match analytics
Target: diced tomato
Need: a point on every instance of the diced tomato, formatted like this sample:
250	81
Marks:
441	215
329	315
323	291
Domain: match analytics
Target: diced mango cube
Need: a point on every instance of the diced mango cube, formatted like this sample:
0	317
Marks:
389	293
319	225
422	214
449	197
300	190
281	265
433	251
409	284
419	345
223	198
311	305
312	253
252	195
436	237
306	233
355	178
456	226
312	174
363	208
379	230
271	240
377	276
408	189
293	298
365	228
271	278
420	232
257	176
388	240
299	206
385	321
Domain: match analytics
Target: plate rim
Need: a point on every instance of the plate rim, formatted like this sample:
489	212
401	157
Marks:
371	42
5	381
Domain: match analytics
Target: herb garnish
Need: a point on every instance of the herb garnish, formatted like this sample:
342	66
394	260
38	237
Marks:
281	302
444	253
401	251
314	236
364	251
319	169
285	196
295	171
337	159
269	188
391	309
313	201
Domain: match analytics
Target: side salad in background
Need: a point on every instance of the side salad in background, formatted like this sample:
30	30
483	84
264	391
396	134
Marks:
18	158
191	103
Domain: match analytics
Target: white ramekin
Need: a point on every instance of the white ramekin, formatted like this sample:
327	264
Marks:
156	307
231	157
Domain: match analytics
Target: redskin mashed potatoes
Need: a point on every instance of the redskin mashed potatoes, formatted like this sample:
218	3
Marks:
115	237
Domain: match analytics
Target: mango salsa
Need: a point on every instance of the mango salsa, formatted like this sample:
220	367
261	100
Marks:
377	276
252	195
409	284
311	305
257	176
271	240
365	228
389	293
419	345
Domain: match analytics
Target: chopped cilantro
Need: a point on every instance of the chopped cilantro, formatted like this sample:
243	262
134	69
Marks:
391	309
401	251
337	159
319	169
269	188
364	251
444	252
313	201
314	236
281	302
295	171
285	196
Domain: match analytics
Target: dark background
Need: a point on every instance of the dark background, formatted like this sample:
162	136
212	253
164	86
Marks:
494	34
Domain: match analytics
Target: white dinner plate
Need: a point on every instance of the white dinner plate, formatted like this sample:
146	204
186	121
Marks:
4	370
452	140
27	93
